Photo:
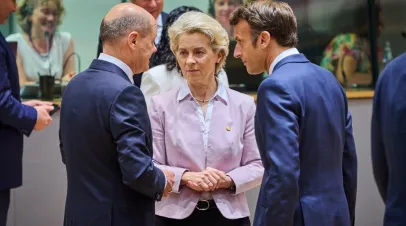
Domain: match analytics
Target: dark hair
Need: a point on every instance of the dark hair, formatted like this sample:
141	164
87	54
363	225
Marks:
164	54
110	30
277	18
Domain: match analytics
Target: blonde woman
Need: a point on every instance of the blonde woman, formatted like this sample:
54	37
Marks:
204	133
42	50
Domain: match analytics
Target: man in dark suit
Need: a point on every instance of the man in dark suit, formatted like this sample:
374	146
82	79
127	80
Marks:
388	140
302	124
105	132
16	118
154	7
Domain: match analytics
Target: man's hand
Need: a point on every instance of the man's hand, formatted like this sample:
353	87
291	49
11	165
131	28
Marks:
170	180
43	117
34	103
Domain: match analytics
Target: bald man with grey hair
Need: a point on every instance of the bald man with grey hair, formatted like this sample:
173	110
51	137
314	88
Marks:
105	133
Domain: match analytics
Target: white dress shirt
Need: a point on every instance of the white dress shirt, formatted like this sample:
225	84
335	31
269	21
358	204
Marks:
160	26
127	70
280	57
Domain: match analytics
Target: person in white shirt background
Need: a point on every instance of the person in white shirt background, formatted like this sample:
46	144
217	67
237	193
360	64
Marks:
41	49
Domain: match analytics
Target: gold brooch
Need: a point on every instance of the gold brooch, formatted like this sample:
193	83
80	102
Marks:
228	128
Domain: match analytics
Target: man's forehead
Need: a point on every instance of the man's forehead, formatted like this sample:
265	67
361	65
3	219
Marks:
242	27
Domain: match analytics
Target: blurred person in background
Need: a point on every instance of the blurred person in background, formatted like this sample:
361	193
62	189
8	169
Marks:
41	49
16	118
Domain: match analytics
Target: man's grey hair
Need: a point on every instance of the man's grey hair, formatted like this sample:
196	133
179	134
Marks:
117	28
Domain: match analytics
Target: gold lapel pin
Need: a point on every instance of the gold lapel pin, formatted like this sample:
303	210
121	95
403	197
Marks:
228	128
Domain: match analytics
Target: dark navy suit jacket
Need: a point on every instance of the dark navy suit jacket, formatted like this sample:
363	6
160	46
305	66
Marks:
16	119
388	140
304	134
106	145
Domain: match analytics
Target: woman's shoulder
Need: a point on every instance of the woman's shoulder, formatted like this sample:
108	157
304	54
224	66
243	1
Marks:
165	99
16	37
158	70
63	35
239	98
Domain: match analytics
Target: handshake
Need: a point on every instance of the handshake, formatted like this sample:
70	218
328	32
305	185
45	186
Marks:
209	179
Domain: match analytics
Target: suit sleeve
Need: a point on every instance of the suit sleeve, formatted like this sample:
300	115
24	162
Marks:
350	167
129	125
379	166
278	126
249	174
12	111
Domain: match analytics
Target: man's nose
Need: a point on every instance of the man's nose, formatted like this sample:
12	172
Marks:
237	52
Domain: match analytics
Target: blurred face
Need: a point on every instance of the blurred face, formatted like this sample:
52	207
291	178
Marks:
45	16
196	57
142	47
7	7
154	7
253	58
223	9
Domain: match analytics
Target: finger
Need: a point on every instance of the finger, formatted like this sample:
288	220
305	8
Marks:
46	103
48	108
221	174
204	186
213	183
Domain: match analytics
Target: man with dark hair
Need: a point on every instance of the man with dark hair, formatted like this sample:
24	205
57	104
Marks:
302	124
16	118
154	7
105	132
388	140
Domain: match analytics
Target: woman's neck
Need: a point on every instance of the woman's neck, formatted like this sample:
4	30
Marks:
203	90
39	41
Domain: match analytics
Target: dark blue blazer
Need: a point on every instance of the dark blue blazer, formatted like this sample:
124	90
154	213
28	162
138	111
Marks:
106	145
388	140
304	134
16	119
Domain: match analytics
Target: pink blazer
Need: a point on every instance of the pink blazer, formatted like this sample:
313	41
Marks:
232	148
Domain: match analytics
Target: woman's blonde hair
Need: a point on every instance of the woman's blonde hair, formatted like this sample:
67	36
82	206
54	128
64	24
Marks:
192	22
26	9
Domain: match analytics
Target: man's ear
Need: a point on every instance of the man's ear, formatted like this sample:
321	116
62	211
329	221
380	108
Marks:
133	39
264	39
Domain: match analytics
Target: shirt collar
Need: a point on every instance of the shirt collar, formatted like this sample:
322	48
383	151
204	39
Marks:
127	70
184	91
281	56
159	21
